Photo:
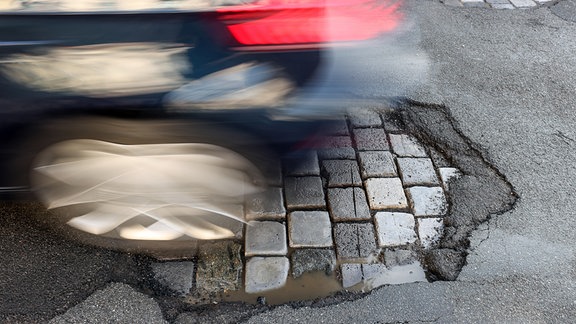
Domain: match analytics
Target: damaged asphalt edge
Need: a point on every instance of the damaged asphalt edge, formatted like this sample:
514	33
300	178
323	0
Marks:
481	192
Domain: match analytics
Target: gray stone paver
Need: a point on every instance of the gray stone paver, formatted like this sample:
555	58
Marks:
265	238
428	201
302	164
266	205
406	146
266	273
394	229
370	139
377	164
348	204
364	118
312	260
386	193
355	242
341	173
417	171
304	192
310	229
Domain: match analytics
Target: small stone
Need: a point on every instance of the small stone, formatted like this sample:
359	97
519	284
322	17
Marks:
341	173
417	171
310	229
304	192
348	204
430	231
313	260
406	146
386	193
266	205
355	242
351	274
428	201
371	139
377	164
266	273
395	229
265	238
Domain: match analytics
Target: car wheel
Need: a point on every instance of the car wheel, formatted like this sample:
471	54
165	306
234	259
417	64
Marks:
150	186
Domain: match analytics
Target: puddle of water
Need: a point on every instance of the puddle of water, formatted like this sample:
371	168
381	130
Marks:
396	275
309	286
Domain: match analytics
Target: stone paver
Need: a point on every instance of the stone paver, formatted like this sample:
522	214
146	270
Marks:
417	171
341	173
377	164
370	139
312	260
394	229
348	204
304	192
355	242
265	238
386	193
428	201
266	273
302	164
430	231
406	146
310	229
364	118
266	205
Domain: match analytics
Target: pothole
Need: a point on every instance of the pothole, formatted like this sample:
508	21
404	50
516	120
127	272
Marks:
387	196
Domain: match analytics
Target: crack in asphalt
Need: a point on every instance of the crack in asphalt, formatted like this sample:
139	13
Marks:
481	193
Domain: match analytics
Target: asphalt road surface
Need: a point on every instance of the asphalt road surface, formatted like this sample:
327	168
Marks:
508	79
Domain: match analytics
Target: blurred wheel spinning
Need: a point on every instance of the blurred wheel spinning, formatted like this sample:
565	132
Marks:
151	192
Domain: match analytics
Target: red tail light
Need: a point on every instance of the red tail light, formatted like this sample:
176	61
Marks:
306	22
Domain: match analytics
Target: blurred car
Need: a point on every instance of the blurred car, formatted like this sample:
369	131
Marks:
143	125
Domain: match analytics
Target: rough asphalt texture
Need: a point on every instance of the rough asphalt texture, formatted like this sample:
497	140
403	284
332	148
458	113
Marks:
508	79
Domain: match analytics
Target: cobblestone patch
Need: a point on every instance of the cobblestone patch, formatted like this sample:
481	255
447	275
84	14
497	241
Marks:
498	4
363	205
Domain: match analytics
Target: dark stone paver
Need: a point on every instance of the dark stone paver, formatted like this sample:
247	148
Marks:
348	204
304	192
341	173
354	242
